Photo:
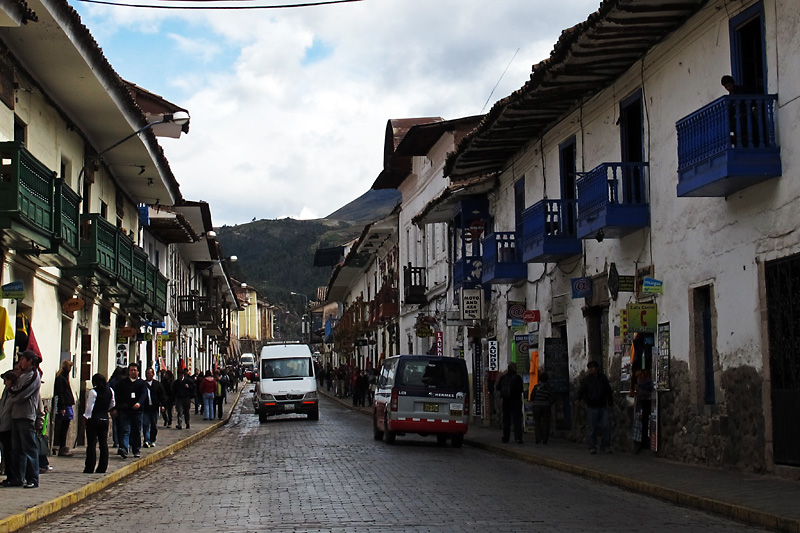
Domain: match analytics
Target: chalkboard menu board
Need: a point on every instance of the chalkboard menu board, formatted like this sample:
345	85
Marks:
556	363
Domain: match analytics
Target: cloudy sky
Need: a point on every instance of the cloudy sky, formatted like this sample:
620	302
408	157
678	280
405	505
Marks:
289	106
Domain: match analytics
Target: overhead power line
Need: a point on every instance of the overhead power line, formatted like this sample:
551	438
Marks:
160	6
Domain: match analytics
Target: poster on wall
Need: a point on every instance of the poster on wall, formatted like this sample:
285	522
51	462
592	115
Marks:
122	354
662	361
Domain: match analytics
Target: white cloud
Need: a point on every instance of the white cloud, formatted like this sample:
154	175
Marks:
274	134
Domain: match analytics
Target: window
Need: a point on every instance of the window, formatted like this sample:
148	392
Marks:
567	172
519	201
631	130
748	66
20	130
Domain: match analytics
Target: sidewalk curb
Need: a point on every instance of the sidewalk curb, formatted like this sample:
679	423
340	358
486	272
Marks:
735	512
43	510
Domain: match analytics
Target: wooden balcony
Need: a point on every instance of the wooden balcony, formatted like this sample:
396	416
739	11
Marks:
728	145
612	201
38	212
414	286
501	259
548	231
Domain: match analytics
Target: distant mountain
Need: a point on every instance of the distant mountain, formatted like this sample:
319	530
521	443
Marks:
276	256
369	207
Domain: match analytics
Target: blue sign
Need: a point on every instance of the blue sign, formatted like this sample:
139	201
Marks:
581	287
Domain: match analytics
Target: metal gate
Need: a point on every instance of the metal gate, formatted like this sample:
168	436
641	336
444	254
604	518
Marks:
783	315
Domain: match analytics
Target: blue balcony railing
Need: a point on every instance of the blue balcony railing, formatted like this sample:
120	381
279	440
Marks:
728	145
548	231
501	259
612	201
468	272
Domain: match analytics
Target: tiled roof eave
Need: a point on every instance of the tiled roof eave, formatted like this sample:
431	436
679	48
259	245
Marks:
585	60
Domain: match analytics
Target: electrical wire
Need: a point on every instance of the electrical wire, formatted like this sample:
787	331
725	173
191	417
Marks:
193	7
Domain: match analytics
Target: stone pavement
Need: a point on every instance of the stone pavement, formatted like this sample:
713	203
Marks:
761	500
66	484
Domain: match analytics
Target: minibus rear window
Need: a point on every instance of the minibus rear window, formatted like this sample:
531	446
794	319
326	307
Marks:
434	373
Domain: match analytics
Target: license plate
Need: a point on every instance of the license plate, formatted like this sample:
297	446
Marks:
288	407
430	407
457	409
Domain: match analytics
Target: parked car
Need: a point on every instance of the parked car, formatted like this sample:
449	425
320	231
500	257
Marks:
422	394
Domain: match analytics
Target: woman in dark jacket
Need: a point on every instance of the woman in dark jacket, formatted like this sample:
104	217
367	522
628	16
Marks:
65	401
99	401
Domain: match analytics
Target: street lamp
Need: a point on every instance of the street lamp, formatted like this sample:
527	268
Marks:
305	328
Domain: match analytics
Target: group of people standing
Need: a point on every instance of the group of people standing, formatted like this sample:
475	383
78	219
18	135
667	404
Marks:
350	380
594	391
131	406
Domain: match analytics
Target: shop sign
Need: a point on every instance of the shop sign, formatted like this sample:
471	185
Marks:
122	354
515	310
627	283
642	318
581	287
14	290
440	343
652	286
532	315
73	304
494	357
127	332
471	304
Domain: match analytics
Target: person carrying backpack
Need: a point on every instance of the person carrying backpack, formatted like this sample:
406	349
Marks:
510	387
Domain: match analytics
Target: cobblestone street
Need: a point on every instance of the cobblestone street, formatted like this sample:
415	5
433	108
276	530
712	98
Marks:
291	474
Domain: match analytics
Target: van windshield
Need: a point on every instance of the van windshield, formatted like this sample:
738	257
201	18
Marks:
434	373
288	367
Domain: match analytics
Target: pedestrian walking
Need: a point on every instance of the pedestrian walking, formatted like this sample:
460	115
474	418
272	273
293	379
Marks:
7	465
65	402
119	374
542	401
206	389
220	395
155	403
184	390
510	387
198	399
99	402
596	391
643	392
130	396
25	399
169	397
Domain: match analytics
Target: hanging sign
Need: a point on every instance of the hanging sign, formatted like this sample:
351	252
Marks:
494	357
73	304
127	331
532	315
652	286
581	287
471	304
440	343
122	355
14	290
642	318
515	310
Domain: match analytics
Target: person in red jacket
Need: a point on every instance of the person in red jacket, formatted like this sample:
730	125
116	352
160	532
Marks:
206	388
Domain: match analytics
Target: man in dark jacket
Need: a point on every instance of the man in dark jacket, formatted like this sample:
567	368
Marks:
184	390
156	398
24	406
510	387
131	397
596	391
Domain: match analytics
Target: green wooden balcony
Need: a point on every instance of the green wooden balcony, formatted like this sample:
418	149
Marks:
38	212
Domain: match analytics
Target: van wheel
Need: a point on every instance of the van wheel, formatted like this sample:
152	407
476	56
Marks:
262	417
391	436
314	415
377	434
458	440
441	439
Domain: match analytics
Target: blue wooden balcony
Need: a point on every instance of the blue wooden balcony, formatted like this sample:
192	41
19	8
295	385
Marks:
468	272
612	201
727	146
549	231
501	259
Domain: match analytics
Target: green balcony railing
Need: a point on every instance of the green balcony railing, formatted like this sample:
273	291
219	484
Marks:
125	248
161	294
140	272
27	193
98	246
67	216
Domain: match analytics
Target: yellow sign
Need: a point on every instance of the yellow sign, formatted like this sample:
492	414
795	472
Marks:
642	318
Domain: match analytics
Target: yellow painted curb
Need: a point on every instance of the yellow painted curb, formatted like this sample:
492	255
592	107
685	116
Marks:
26	518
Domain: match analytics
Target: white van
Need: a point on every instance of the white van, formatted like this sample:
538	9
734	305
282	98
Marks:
286	383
